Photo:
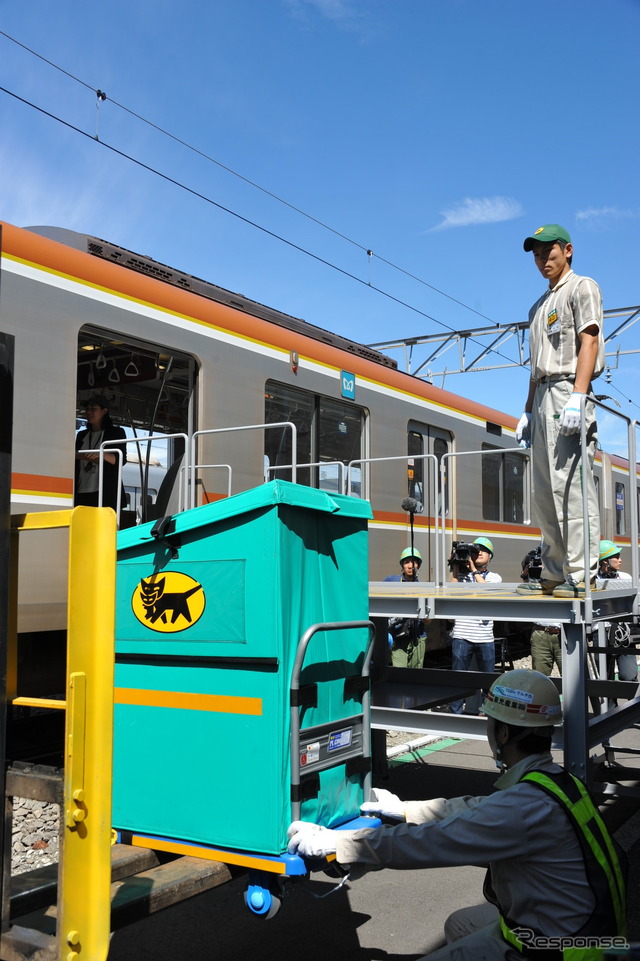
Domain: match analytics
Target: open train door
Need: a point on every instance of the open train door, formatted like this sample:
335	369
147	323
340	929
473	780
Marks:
151	392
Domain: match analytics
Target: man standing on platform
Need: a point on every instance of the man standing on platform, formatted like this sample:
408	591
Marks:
567	351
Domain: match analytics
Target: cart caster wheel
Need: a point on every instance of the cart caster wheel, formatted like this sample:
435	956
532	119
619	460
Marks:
262	902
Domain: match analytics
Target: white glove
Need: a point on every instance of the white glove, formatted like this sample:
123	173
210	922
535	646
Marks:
523	430
311	840
571	415
385	803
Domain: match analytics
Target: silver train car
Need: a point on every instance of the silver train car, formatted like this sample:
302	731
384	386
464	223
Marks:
177	356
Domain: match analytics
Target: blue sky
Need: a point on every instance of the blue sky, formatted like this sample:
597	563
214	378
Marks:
435	133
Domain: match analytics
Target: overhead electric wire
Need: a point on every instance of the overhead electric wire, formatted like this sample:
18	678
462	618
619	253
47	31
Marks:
243	219
367	250
624	396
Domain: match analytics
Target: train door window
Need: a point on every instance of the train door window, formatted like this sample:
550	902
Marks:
423	439
503	486
339	437
621	526
329	433
283	404
150	390
596	482
490	485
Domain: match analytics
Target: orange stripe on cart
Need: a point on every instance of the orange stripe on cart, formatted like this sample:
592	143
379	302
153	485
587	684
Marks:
188	702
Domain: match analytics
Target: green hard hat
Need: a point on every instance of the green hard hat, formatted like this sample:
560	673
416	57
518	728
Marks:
408	552
607	549
484	542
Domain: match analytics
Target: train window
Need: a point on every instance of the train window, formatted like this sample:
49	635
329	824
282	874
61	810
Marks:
329	433
150	390
621	526
423	439
503	486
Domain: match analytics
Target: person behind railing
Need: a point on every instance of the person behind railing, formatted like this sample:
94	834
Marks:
99	428
472	637
546	636
554	878
407	635
624	662
566	345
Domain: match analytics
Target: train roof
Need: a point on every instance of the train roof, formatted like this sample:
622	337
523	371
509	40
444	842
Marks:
169	275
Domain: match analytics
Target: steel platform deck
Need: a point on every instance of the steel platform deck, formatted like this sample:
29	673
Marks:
404	700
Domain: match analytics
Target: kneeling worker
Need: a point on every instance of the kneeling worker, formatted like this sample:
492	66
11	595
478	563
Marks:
553	876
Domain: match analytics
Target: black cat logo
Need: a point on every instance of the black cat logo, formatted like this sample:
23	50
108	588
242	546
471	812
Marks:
168	602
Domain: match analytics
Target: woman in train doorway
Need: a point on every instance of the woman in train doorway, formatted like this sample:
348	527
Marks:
99	428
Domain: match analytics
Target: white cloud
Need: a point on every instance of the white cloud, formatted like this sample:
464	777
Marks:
337	10
598	214
479	210
89	193
345	14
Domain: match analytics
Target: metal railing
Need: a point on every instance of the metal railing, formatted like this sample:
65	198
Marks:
465	453
440	507
320	463
231	430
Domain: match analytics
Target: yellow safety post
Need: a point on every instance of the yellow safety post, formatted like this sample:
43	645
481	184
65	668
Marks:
85	865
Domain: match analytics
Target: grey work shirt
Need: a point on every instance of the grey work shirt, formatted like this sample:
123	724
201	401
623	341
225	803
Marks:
537	867
555	322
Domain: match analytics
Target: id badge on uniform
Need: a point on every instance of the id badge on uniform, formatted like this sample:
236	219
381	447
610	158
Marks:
553	323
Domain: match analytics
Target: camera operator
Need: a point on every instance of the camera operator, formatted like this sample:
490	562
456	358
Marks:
472	637
407	640
625	663
546	636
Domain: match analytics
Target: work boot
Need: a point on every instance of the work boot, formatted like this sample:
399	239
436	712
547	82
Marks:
534	588
573	590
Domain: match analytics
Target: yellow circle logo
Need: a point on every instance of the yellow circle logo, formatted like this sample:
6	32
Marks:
168	602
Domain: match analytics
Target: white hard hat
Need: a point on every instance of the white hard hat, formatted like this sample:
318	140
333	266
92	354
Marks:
524	698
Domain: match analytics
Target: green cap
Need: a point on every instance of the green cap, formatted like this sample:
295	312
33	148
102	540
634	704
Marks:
546	235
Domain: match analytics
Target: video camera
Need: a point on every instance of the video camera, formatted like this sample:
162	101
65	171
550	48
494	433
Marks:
460	555
533	569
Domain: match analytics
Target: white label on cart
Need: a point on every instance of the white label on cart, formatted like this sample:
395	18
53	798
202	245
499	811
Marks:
313	753
338	740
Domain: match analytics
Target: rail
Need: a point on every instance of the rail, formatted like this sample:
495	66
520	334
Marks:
341	472
231	430
85	855
440	501
465	453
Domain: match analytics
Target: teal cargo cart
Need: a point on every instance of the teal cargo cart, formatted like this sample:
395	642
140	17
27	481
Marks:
241	684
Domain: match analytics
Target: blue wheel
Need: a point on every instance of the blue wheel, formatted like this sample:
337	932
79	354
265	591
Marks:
261	901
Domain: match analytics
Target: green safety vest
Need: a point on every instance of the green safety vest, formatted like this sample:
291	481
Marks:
603	869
